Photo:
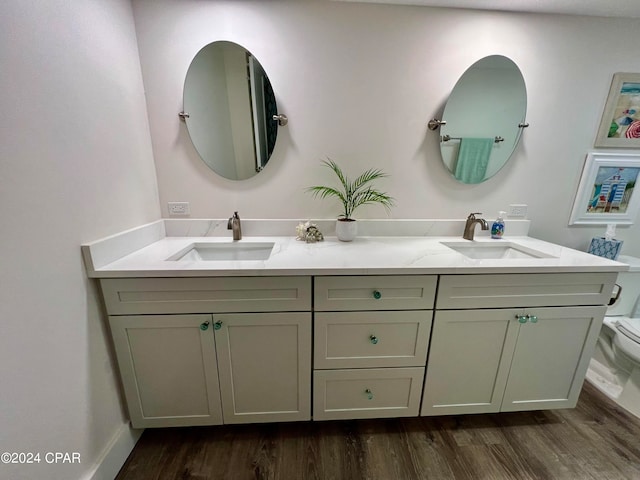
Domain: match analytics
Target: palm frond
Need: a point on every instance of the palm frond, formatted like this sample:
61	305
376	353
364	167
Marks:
372	196
338	171
324	192
356	193
367	177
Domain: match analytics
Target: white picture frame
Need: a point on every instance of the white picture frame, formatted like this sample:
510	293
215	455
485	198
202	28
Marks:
607	193
620	123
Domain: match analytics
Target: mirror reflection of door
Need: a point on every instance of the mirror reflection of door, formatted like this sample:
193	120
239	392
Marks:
230	103
264	108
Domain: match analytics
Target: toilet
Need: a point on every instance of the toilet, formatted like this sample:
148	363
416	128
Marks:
615	366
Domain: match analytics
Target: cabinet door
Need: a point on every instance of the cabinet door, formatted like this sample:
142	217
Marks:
264	362
551	358
469	361
168	368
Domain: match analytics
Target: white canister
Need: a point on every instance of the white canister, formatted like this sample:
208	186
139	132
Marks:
346	230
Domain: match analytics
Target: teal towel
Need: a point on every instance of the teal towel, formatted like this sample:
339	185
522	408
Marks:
473	158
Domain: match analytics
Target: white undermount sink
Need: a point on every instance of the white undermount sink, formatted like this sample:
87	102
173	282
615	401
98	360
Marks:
212	252
490	250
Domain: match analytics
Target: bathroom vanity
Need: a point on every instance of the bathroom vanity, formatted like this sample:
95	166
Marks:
380	327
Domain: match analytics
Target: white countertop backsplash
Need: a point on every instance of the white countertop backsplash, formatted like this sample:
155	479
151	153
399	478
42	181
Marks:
366	228
382	247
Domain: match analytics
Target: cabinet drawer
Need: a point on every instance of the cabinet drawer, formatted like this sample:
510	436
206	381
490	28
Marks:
371	339
524	290
368	393
396	292
206	295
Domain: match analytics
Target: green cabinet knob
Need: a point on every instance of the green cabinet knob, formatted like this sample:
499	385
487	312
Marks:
204	326
377	295
527	318
373	339
217	325
369	393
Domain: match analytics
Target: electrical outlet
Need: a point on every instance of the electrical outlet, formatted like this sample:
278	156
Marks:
178	208
518	210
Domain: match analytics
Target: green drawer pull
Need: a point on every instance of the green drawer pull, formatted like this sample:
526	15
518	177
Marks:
373	339
522	318
204	326
533	318
369	394
217	325
377	295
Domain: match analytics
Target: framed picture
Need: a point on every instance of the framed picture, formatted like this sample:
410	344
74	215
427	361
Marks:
607	193
620	124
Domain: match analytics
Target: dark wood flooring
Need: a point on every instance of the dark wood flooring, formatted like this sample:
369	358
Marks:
596	440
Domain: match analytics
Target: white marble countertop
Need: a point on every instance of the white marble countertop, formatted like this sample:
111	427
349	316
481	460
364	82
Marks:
370	255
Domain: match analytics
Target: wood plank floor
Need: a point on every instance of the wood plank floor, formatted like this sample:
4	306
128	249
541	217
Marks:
596	440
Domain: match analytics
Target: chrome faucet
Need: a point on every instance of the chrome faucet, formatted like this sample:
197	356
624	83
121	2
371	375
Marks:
470	225
234	224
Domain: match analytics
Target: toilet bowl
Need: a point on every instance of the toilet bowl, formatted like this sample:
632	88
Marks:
629	342
615	366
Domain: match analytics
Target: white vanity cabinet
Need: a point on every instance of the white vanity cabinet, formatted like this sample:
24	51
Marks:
371	335
187	355
508	359
211	350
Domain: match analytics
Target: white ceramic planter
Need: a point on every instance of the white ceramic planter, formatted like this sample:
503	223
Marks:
346	230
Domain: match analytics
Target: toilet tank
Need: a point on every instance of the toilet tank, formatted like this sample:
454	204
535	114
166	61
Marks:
630	283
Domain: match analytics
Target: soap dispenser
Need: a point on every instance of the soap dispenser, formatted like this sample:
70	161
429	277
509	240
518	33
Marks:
497	229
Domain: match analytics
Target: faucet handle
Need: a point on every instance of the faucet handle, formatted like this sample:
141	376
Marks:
473	215
231	219
234	224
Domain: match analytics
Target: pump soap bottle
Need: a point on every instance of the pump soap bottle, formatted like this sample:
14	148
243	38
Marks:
497	229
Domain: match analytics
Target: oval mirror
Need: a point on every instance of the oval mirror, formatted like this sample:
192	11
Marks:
229	109
484	117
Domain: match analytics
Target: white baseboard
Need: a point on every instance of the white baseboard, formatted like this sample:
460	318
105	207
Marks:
116	453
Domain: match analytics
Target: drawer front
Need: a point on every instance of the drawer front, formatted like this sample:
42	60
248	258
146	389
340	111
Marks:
524	290
371	339
367	393
206	295
396	292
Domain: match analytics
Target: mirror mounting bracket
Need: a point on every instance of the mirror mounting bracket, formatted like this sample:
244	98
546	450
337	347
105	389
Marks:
281	119
435	123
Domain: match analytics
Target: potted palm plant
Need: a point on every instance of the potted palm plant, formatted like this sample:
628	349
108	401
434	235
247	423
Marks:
352	194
